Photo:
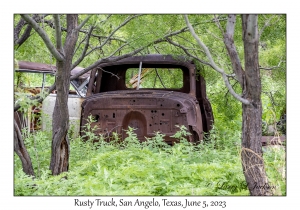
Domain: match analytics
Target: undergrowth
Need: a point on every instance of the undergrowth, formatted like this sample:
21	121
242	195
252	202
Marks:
149	168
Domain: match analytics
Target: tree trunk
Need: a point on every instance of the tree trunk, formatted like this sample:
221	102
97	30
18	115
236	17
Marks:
60	123
252	160
21	151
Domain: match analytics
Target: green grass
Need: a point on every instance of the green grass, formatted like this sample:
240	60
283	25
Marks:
133	168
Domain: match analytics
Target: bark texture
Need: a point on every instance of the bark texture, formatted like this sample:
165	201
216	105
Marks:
60	123
249	79
21	151
252	160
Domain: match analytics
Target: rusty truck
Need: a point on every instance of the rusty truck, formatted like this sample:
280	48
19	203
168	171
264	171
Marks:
150	93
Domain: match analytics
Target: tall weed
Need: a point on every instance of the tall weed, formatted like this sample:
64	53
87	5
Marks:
134	168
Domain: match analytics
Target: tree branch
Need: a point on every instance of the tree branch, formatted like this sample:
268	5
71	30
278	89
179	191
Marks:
213	65
112	33
218	24
110	58
110	73
203	46
187	52
233	93
231	49
44	36
160	78
274	67
79	44
196	47
83	54
215	36
106	60
19	41
269	68
267	23
195	57
58	33
83	22
51	24
24	36
17	30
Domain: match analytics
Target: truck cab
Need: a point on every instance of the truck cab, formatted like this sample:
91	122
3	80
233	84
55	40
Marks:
151	93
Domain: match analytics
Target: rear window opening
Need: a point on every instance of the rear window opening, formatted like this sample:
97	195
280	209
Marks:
157	78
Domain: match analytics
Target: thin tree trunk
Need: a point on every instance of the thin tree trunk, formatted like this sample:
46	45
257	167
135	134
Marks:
21	151
60	123
252	159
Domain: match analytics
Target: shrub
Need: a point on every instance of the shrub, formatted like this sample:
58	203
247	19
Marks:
148	168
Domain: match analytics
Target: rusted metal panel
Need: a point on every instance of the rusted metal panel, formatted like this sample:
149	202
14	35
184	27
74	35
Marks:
273	140
156	59
205	106
91	85
147	111
26	66
98	81
36	67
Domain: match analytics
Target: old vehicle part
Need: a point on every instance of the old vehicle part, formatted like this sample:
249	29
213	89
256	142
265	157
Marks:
115	106
74	105
80	84
147	111
273	140
30	119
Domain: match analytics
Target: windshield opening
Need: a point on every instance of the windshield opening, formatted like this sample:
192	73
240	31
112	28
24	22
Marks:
156	78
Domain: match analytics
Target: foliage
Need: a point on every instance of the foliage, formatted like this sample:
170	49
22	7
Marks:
272	60
148	168
156	78
275	162
135	34
273	56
